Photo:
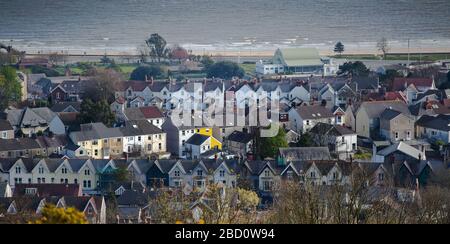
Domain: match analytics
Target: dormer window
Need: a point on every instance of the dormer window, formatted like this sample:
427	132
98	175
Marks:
87	172
200	172
176	173
41	170
18	169
313	174
222	173
64	170
380	176
267	173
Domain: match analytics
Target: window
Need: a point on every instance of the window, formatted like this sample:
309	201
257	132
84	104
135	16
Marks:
119	139
18	169
396	135
149	147
313	174
159	136
290	175
408	135
183	133
95	143
89	184
75	181
64	170
52	180
199	172
267	173
307	122
149	138
176	173
222	173
4	134
105	141
335	176
159	146
87	172
139	138
41	170
96	152
380	176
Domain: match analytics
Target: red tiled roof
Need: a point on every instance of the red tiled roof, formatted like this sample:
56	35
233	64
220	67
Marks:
392	96
151	112
399	83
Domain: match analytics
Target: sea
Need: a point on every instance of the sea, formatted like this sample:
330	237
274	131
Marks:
85	26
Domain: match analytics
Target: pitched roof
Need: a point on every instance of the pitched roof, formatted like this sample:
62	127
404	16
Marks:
48	190
404	148
389	114
95	131
314	112
197	139
140	113
332	130
400	83
65	106
30	116
241	137
18	144
375	108
5	125
366	83
139	127
305	153
133	198
300	56
440	122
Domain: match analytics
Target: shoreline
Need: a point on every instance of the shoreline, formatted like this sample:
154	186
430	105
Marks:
255	53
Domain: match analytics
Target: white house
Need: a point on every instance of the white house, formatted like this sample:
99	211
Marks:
303	118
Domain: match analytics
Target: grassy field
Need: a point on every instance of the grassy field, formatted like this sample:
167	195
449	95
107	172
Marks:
248	68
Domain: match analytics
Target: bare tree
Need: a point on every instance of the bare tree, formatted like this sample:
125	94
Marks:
383	46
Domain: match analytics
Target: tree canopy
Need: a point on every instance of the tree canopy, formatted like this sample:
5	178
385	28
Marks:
140	73
53	215
225	70
10	88
96	112
102	85
179	53
270	145
339	48
354	68
157	45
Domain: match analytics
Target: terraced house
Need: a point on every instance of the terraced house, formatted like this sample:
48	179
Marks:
98	141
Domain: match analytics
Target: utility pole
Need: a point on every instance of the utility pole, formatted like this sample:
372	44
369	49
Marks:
408	53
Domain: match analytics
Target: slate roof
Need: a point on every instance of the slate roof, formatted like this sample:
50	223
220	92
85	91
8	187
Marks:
140	127
48	190
389	114
375	108
366	83
5	125
404	148
241	137
332	130
305	153
18	144
440	122
60	107
314	112
95	131
197	139
30	116
133	198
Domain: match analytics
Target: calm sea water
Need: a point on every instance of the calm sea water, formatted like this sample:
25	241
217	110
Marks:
220	24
